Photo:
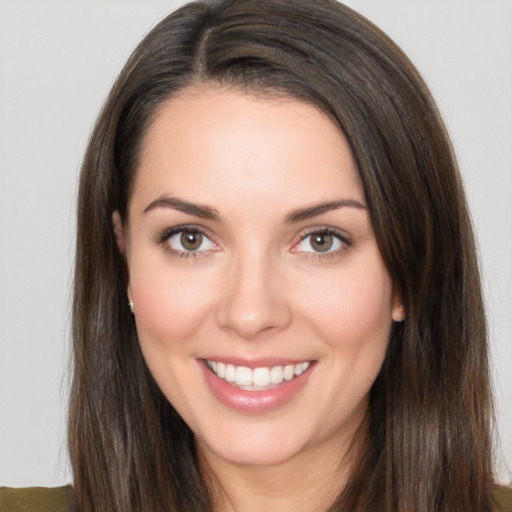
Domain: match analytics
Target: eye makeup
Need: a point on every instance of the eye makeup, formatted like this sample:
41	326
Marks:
193	241
323	242
185	241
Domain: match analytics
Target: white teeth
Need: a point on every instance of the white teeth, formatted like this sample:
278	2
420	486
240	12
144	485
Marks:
230	373
243	376
276	375
288	372
261	377
257	378
220	370
300	368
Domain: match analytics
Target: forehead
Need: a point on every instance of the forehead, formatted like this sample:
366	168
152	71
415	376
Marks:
214	144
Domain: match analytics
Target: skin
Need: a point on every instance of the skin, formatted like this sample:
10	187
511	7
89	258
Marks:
257	287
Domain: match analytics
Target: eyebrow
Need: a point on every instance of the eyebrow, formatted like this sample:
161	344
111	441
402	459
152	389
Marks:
209	213
312	211
201	211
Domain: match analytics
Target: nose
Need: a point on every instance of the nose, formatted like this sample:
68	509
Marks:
253	297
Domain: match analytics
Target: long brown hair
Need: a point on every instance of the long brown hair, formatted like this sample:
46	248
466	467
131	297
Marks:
428	446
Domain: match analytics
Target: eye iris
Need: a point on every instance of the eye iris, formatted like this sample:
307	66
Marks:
191	240
321	242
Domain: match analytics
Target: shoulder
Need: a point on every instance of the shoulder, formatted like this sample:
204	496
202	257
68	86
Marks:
36	499
503	498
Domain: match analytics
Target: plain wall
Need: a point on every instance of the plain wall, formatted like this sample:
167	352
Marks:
57	62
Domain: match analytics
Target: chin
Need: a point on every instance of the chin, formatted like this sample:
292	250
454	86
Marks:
255	445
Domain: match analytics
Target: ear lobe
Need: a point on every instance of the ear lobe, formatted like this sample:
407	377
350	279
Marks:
399	314
117	223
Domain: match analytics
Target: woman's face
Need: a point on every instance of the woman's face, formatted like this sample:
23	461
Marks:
262	303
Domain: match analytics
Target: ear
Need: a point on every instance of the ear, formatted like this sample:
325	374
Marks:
117	223
398	314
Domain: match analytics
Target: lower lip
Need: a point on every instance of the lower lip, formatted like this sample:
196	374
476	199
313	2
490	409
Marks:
254	401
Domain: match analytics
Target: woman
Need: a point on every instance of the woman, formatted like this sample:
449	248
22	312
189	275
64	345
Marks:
277	301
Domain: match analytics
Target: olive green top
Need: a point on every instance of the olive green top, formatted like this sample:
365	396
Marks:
60	499
36	499
502	495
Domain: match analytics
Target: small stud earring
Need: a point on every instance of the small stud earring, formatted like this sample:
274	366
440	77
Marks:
130	303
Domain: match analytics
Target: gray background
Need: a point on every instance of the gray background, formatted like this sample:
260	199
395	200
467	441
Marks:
57	62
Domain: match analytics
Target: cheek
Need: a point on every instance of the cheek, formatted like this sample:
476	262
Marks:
351	310
170	303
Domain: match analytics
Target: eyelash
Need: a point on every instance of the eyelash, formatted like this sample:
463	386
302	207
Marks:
342	237
163	238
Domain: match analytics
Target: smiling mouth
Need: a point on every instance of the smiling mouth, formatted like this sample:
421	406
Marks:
256	379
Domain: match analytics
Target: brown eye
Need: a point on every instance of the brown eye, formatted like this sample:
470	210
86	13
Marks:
191	240
321	242
328	242
182	241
